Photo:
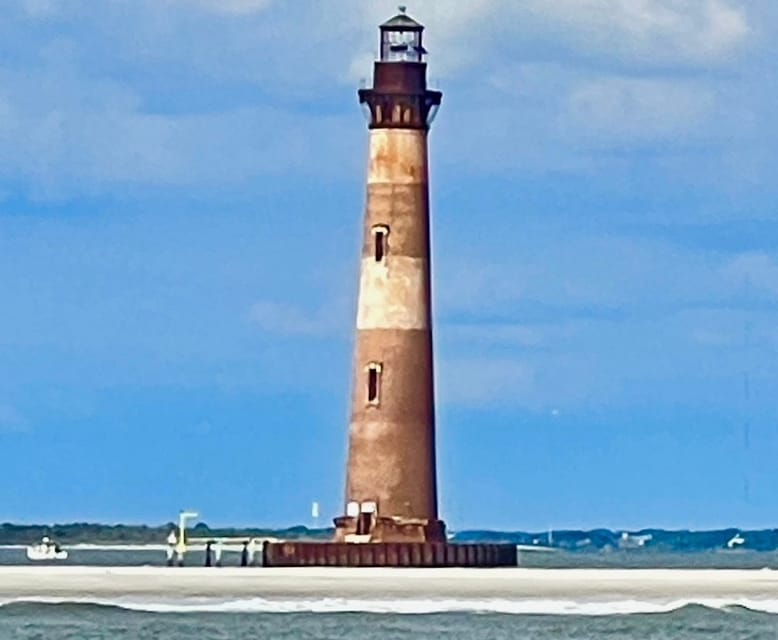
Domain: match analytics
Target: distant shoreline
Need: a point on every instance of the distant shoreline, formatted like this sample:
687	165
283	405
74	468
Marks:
594	540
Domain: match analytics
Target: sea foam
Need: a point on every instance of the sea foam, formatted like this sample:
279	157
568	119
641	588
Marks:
409	606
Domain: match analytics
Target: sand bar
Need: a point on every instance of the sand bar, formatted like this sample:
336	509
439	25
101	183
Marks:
101	582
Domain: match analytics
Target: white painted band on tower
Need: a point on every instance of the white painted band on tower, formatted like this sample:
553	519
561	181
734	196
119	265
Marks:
393	294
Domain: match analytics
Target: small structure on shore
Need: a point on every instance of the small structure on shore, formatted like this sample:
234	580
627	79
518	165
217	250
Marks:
179	543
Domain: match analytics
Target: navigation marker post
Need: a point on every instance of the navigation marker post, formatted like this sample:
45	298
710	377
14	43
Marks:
183	516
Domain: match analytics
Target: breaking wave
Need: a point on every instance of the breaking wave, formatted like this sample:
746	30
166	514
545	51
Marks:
406	606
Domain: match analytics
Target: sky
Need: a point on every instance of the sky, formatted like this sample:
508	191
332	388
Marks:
181	199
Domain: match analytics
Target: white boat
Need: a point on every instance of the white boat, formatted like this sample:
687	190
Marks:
633	541
735	541
46	550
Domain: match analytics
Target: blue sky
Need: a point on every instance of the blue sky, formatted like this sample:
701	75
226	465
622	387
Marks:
181	192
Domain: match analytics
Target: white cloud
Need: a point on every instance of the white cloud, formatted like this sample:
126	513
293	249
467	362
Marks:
40	8
736	333
478	382
501	333
79	116
11	420
753	270
646	32
555	273
628	110
64	144
239	7
583	321
283	319
689	31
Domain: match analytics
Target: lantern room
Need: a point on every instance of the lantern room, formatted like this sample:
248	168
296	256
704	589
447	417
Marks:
399	97
401	39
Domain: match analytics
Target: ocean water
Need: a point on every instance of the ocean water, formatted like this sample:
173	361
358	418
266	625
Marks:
323	617
28	621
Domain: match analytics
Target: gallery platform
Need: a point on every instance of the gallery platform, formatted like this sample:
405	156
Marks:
388	554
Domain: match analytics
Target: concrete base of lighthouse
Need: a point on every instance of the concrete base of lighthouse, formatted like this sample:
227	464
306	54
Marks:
389	529
388	542
388	554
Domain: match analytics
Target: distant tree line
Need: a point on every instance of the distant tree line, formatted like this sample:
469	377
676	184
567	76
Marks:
85	532
597	540
654	539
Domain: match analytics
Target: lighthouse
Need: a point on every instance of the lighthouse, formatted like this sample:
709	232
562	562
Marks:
390	511
391	487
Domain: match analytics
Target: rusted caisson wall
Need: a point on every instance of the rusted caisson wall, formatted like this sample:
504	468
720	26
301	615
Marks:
391	492
390	554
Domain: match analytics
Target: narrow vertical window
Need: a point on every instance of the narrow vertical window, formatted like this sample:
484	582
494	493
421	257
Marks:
380	234
374	383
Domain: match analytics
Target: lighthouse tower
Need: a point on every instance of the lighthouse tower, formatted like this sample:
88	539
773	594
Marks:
391	489
390	516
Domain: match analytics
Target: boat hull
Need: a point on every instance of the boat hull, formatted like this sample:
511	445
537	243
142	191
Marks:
37	555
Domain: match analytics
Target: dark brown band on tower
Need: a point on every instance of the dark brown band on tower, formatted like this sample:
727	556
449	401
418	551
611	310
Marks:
399	98
398	208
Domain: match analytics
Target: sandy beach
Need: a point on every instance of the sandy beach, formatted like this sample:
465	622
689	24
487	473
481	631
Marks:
17	582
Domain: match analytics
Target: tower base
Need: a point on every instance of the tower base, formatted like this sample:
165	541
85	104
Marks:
388	554
389	529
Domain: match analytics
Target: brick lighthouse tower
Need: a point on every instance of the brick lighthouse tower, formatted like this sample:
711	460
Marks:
391	492
391	517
